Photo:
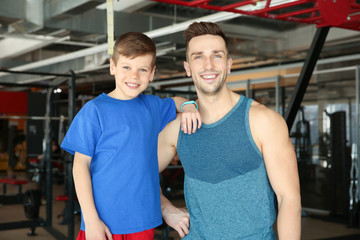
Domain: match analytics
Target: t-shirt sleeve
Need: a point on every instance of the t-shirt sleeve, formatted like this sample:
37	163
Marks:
167	111
83	132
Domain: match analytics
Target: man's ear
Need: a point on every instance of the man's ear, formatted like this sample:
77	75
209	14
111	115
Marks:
112	66
187	69
229	65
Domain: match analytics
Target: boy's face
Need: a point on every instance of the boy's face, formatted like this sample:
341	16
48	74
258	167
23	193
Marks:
132	75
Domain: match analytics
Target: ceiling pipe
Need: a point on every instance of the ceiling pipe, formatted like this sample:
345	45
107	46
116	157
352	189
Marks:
216	17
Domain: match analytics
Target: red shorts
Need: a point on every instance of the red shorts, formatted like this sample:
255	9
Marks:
144	235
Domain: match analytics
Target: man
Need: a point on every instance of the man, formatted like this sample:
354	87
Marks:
238	163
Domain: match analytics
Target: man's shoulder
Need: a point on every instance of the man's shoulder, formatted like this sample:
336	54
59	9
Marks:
175	124
264	118
170	133
172	128
261	111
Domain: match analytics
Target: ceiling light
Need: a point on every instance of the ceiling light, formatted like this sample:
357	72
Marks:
57	90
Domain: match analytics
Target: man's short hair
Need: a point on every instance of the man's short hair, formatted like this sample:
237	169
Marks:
134	44
197	29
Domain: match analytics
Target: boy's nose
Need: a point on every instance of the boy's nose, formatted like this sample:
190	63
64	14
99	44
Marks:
134	74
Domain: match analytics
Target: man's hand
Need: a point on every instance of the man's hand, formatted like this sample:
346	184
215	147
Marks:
190	119
178	219
97	230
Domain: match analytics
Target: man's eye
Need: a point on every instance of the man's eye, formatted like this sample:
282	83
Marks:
197	57
126	67
217	56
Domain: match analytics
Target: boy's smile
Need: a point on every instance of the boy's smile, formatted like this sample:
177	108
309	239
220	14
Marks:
132	76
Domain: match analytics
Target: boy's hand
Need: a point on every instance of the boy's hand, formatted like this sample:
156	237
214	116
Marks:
178	219
97	230
190	119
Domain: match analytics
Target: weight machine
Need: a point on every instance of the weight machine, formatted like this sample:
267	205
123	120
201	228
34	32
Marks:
32	198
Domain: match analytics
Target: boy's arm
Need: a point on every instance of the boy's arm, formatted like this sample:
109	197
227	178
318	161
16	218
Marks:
95	228
190	119
175	217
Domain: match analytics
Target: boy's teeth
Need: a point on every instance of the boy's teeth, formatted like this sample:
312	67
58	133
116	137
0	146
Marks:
132	84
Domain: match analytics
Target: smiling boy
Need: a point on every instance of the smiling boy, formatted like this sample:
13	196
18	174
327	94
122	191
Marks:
114	139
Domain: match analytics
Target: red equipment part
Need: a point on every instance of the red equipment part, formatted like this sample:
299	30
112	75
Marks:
13	181
333	13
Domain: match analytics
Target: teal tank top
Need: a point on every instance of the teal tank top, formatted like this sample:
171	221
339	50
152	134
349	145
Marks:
226	187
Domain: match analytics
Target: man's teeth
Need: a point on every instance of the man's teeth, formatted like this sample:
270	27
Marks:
208	76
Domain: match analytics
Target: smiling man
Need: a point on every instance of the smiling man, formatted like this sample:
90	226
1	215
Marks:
238	163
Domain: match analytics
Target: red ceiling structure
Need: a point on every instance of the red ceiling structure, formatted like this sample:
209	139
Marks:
322	13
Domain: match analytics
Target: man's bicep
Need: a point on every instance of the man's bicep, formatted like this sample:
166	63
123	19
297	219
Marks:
280	159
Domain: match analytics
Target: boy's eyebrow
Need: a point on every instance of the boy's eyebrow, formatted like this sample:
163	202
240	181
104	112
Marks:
139	66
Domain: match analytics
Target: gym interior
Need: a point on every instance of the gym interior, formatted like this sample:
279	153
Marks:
300	58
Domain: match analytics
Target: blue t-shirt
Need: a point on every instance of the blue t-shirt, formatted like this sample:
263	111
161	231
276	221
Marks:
121	136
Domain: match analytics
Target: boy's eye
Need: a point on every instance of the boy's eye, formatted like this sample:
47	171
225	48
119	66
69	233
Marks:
143	70
126	67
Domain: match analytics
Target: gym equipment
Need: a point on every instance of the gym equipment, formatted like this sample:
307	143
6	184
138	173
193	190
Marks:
32	202
12	199
66	214
354	187
303	148
302	138
339	164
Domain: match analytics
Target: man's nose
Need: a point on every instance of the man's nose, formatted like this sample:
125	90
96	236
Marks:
208	63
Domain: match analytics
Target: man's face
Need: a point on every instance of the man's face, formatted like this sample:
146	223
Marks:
207	63
132	75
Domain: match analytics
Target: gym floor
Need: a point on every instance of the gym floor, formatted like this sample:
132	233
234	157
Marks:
312	227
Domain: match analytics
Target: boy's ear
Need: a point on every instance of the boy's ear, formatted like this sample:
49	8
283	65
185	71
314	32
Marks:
152	74
112	66
187	69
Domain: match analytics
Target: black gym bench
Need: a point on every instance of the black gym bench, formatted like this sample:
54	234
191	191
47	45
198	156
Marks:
12	199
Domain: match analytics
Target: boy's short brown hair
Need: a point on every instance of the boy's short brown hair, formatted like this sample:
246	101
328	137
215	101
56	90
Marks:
197	29
134	44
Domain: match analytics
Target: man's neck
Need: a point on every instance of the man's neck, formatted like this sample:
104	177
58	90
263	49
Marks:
214	107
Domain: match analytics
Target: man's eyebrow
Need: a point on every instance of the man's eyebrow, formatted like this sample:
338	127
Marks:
201	52
218	51
197	53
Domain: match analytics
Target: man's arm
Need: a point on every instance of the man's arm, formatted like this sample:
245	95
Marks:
176	218
270	132
190	119
95	228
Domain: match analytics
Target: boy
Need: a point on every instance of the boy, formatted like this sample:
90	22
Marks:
114	139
